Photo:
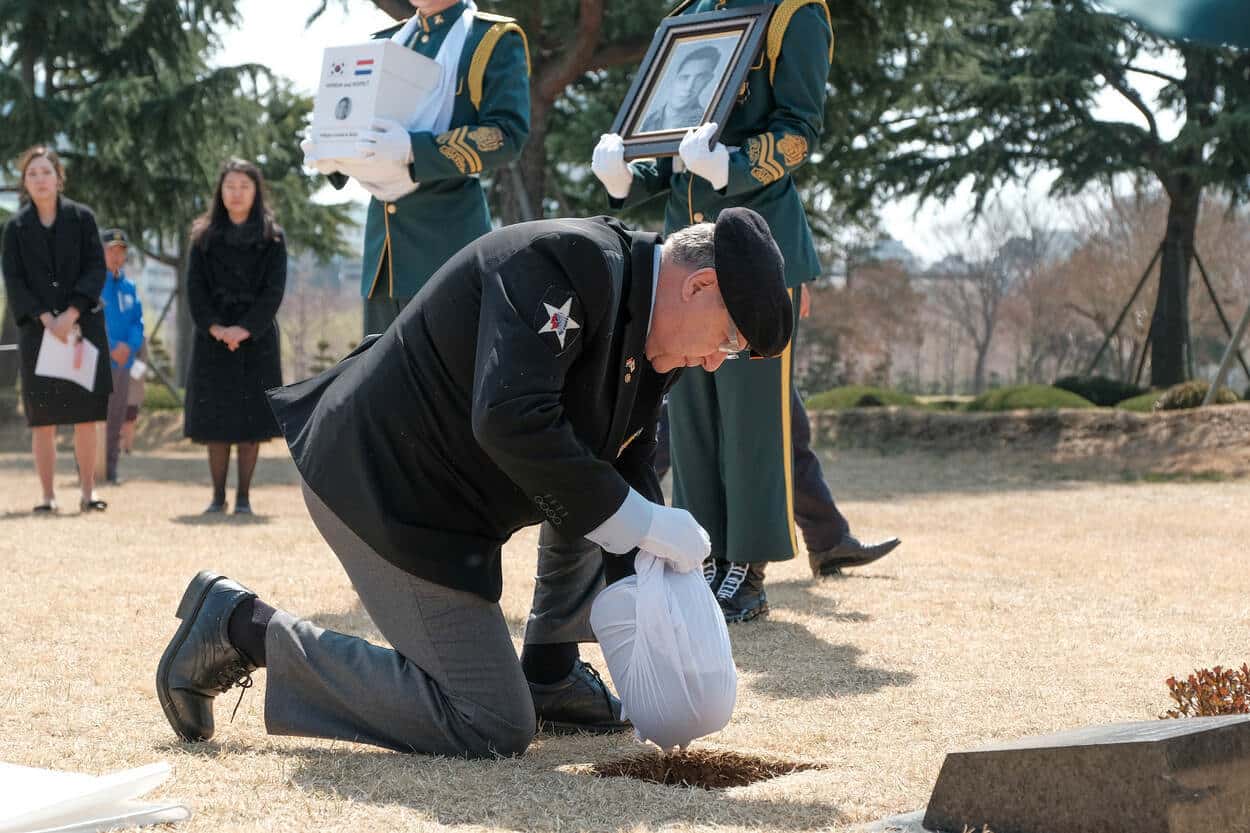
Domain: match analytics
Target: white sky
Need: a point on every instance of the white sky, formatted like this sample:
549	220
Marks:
274	34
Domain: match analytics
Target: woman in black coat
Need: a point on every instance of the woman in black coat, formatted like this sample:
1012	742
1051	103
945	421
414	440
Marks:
235	282
53	273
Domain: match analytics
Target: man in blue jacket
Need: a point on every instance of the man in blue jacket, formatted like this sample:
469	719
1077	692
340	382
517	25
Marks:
123	316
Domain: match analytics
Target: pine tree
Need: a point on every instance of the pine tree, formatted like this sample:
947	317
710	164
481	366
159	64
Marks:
124	91
1010	89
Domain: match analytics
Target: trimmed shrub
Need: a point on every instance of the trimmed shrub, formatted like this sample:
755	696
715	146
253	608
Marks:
1188	395
1100	390
1211	692
1143	404
1028	397
858	396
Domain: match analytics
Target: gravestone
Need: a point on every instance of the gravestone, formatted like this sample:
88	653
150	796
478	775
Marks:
1162	776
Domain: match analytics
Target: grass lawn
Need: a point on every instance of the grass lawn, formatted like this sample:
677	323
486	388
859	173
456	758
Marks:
1019	603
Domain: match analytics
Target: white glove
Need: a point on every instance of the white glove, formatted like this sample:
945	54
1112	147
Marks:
385	140
608	164
312	158
676	536
711	163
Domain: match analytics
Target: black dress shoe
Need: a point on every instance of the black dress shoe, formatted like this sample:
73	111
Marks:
199	662
848	553
580	702
741	592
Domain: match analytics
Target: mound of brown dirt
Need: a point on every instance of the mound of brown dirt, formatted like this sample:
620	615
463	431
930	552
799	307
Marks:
1215	439
708	769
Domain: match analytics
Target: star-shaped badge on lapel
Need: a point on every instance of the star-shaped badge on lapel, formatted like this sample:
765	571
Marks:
559	321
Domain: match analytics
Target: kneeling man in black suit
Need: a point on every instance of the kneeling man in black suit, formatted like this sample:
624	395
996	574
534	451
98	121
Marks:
521	386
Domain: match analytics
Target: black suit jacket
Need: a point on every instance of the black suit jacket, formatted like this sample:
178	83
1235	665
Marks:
72	276
513	389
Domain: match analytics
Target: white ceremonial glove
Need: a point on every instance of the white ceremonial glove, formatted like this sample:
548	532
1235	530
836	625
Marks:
385	140
312	158
608	164
711	163
676	536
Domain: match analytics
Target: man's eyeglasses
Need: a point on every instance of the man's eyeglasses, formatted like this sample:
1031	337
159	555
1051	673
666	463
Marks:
732	346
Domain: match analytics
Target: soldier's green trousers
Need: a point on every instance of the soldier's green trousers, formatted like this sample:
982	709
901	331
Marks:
732	456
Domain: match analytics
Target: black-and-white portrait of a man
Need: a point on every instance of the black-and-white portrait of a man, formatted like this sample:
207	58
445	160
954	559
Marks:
689	78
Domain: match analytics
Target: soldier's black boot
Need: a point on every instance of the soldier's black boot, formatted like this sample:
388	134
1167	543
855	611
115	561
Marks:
200	662
580	702
848	553
714	572
741	592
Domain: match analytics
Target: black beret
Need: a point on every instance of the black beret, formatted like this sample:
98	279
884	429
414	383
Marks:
751	274
113	237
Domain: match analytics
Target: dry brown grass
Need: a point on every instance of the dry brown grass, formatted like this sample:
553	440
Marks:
1016	605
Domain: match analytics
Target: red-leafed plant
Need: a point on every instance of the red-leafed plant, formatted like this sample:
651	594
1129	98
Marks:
1210	692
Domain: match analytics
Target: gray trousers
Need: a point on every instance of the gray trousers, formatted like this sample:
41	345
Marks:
118	400
452	684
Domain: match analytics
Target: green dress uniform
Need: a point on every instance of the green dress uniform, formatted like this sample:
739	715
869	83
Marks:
730	431
406	241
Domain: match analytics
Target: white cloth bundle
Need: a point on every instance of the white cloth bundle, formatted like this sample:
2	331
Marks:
668	651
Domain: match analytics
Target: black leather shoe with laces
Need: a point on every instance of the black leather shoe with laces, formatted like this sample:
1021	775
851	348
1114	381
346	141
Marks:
741	592
848	553
200	662
714	572
580	702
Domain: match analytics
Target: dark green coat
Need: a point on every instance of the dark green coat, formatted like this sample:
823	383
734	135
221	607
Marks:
774	126
408	240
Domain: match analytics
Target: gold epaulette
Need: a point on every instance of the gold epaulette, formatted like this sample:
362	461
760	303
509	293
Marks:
781	21
482	54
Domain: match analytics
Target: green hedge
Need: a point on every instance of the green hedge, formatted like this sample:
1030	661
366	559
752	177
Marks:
1028	397
859	396
1143	404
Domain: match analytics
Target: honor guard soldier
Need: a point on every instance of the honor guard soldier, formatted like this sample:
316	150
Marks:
732	451
477	120
523	385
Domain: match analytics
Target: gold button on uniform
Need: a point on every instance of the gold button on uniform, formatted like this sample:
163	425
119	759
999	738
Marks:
391	209
438	20
425	38
698	216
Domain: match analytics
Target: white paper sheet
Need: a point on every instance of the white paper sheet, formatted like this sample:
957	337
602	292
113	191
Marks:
43	800
57	360
138	369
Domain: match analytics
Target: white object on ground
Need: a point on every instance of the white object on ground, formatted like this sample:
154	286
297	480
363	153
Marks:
668	652
47	801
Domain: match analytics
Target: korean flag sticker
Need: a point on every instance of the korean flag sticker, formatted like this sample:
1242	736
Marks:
559	318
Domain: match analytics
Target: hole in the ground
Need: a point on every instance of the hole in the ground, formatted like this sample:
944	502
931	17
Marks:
700	768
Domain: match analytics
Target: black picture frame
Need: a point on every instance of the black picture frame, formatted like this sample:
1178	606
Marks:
737	35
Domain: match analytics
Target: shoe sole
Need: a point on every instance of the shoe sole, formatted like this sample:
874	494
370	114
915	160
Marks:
556	727
188	609
871	554
760	612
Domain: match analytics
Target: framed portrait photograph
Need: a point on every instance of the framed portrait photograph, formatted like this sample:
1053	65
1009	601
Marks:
690	76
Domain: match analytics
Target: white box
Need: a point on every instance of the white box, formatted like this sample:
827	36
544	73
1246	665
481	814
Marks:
376	79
